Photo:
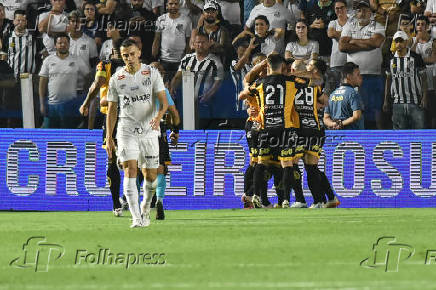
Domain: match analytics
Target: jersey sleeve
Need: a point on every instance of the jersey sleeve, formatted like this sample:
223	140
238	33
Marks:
112	95
101	70
44	68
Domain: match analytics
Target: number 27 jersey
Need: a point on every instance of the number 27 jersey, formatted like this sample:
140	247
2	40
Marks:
276	96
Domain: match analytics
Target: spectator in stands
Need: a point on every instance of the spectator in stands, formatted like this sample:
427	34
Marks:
192	8
171	40
7	82
92	26
344	110
303	48
417	7
362	41
266	41
338	58
248	7
425	46
23	47
406	84
231	12
59	74
6	27
113	35
278	16
10	6
106	7
154	6
292	6
241	66
208	72
319	18
406	25
219	37
52	23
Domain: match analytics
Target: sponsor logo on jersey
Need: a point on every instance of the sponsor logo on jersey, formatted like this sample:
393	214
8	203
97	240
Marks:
121	77
145	72
83	47
71	64
122	86
135	88
146	82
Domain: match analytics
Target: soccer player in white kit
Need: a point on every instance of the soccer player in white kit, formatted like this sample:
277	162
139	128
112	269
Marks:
135	90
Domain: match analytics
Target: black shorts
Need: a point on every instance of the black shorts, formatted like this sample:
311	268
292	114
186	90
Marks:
114	133
252	144
310	141
164	150
277	144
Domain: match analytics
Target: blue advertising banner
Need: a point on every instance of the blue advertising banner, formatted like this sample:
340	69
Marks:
65	169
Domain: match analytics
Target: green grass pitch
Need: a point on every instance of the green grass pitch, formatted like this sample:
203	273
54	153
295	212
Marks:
220	249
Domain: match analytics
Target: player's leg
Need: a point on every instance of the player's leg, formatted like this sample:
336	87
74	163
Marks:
113	175
300	201
149	148
287	157
277	172
131	191
264	155
160	191
314	180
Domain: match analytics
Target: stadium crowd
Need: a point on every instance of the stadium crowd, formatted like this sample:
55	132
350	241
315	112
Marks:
63	43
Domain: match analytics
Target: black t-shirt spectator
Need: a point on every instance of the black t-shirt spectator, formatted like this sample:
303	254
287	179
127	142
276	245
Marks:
326	13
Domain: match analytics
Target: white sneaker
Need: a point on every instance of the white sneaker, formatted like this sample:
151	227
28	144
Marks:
137	223
146	220
256	201
118	212
124	204
317	205
285	204
298	204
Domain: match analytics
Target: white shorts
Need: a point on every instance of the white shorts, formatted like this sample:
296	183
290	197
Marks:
144	149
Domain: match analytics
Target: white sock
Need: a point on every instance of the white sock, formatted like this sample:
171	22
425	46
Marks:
149	190
131	193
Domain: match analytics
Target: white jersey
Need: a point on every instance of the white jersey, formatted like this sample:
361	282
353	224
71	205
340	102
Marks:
136	96
106	50
369	61
62	77
303	51
337	58
11	6
425	51
173	36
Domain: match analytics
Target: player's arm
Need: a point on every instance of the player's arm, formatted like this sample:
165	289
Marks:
92	93
175	120
246	56
43	82
162	96
253	74
111	119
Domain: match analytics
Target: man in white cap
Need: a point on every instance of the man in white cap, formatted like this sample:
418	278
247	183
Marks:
406	86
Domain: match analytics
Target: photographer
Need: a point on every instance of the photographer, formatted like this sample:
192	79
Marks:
344	110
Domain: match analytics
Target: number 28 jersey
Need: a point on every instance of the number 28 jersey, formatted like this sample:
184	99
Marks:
306	101
276	96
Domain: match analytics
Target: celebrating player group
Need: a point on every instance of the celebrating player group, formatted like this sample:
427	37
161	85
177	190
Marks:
285	106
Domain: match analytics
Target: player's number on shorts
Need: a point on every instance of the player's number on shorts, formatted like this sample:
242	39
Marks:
270	91
308	93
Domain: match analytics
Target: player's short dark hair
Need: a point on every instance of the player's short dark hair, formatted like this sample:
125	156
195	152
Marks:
321	66
128	42
116	45
424	18
275	61
262	17
348	68
60	35
19	12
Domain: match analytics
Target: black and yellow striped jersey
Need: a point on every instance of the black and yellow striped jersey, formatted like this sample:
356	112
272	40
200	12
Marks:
306	102
276	95
106	69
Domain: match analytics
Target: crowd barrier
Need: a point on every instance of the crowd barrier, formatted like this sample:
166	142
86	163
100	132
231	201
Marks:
64	170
